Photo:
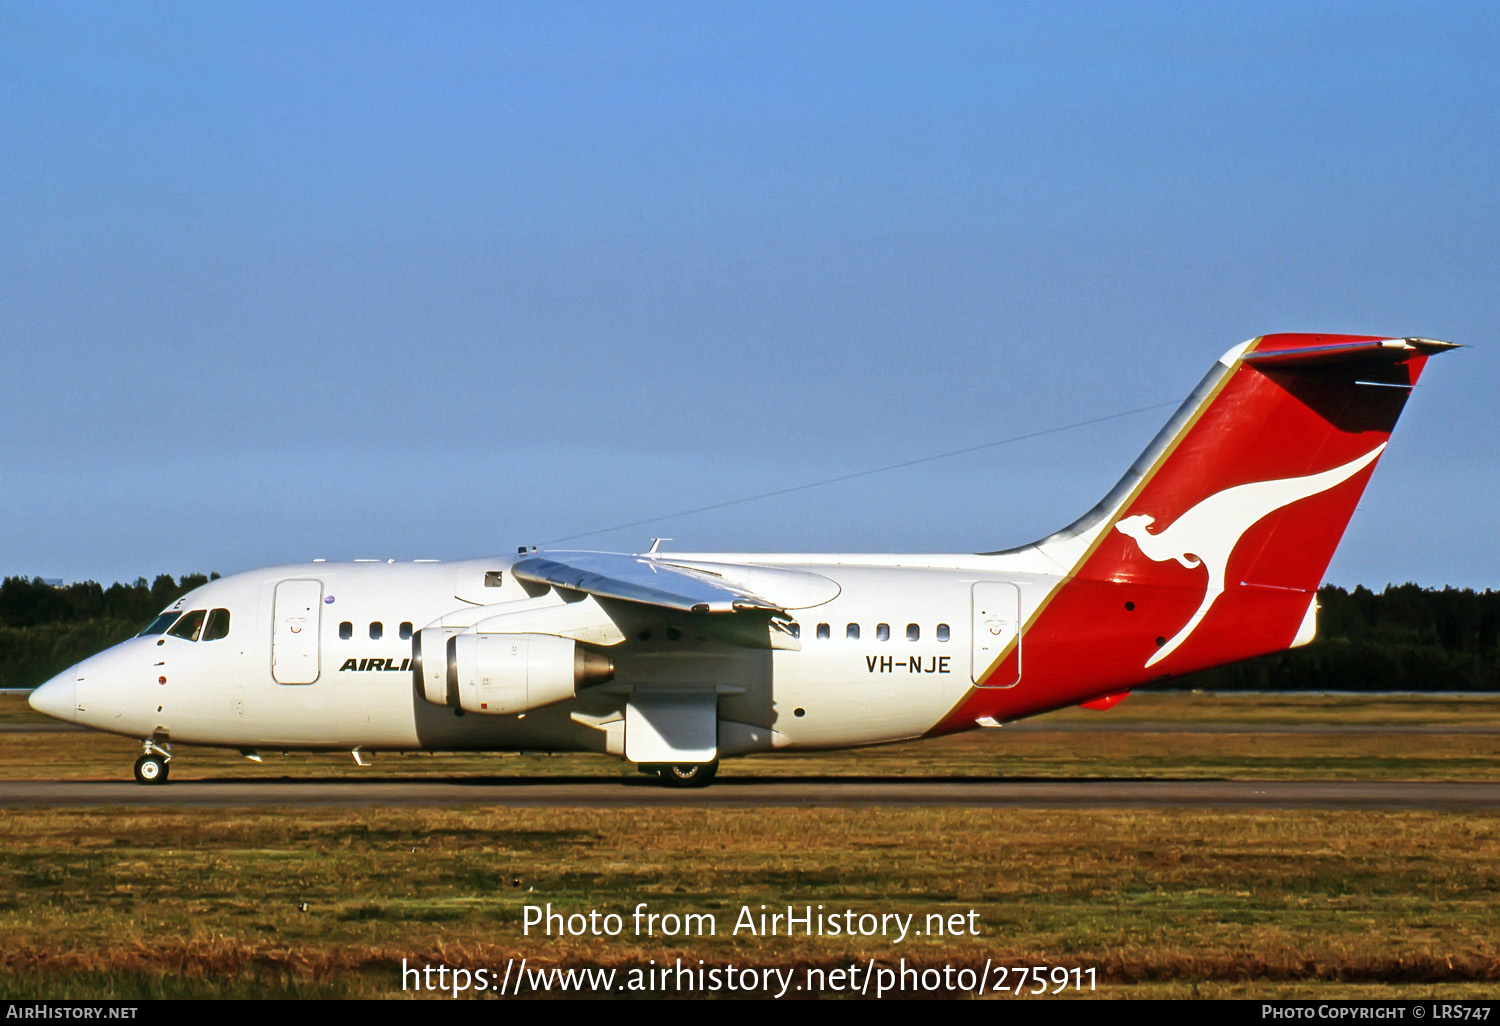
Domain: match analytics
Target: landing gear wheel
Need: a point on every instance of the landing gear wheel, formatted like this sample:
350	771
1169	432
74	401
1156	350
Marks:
151	769
690	774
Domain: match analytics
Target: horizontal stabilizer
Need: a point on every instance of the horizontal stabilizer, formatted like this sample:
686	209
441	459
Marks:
1313	352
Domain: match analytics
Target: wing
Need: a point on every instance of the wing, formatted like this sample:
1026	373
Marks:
644	579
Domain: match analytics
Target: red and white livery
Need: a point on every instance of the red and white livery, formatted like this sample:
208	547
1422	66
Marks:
1209	550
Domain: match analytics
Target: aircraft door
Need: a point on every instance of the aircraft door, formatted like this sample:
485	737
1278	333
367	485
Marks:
294	632
997	623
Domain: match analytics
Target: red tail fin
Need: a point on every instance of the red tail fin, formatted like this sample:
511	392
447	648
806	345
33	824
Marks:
1212	547
1253	494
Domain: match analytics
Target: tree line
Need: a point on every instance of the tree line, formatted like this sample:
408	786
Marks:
45	629
1404	638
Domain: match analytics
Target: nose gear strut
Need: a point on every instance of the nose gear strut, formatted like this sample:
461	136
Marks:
152	766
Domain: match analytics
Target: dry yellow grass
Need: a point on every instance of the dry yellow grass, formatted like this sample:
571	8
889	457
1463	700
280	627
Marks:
995	753
139	903
1175	903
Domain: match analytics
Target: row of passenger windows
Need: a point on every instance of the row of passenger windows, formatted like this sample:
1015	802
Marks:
377	630
882	632
824	631
194	625
211	625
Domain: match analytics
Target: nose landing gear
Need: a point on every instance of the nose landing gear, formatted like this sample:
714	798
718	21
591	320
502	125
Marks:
152	766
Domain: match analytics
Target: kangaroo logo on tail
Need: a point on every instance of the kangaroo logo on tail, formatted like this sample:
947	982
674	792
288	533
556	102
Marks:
1207	534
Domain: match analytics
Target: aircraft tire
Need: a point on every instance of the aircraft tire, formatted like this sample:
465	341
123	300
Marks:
689	774
151	769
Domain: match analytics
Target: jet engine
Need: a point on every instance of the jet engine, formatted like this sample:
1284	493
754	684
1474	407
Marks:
503	673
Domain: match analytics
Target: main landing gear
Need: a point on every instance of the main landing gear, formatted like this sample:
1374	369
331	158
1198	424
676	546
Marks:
696	774
152	766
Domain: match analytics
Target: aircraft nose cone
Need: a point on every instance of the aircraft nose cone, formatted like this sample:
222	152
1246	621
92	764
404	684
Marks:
57	697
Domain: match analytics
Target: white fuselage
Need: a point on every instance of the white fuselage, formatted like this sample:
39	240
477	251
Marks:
912	662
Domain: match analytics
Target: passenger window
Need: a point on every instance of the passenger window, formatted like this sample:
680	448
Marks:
217	626
492	578
913	632
190	627
376	630
796	630
942	632
346	630
822	632
405	630
852	632
882	632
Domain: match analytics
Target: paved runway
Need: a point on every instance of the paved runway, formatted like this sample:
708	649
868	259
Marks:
749	792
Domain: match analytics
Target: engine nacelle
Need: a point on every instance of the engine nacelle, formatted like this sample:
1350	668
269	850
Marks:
430	663
505	674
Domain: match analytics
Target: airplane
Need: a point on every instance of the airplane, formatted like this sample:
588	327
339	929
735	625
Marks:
1210	549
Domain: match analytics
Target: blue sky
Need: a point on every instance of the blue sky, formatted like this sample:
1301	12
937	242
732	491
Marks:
280	281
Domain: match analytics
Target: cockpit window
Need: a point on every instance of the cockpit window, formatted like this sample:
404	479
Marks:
217	626
160	624
190	626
